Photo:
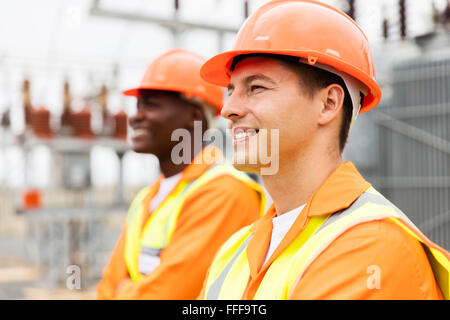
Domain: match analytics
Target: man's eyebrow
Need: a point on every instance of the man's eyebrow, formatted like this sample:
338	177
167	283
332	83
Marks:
251	78
258	76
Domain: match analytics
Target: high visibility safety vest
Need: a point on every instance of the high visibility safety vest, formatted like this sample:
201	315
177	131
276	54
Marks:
229	272
159	227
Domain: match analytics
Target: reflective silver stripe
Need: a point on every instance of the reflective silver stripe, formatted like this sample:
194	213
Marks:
363	199
151	251
214	290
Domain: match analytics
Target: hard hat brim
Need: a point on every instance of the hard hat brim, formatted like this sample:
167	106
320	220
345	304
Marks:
216	70
134	92
131	92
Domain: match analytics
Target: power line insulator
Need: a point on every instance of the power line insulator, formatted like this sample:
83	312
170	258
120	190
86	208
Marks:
385	29
402	11
351	9
246	10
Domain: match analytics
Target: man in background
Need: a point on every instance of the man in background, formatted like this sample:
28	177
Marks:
174	227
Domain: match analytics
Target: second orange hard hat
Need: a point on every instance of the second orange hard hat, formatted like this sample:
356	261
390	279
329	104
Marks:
315	32
179	70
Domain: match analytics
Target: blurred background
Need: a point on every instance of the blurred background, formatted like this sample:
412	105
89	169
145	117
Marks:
67	174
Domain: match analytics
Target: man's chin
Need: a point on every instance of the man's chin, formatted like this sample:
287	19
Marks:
143	149
250	168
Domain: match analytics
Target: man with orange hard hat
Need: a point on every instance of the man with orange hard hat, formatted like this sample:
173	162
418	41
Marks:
174	227
304	69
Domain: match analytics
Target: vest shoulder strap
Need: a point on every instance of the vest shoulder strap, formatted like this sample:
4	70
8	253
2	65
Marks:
136	203
225	260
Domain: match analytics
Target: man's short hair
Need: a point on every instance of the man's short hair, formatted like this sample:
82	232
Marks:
312	79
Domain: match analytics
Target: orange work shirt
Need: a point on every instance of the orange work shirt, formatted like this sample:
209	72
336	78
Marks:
345	268
208	217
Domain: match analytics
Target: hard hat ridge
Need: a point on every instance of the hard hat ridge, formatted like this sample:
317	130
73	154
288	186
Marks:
179	70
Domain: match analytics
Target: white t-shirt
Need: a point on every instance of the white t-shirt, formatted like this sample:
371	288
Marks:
165	187
281	225
149	259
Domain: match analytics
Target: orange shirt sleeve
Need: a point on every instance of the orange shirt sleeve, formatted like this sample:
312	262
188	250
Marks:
115	271
209	217
374	260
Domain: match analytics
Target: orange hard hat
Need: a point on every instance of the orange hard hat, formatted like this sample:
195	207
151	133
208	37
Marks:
179	70
315	32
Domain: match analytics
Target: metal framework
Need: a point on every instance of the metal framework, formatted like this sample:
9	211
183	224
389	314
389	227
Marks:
174	24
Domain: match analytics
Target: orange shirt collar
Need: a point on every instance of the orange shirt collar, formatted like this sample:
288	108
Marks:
203	161
338	191
209	156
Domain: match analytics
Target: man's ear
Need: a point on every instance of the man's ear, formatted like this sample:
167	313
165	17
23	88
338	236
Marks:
332	98
196	114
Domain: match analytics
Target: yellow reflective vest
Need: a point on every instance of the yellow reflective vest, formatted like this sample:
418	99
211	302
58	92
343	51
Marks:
229	272
159	227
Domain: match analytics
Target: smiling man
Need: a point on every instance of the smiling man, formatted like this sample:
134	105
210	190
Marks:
304	69
174	227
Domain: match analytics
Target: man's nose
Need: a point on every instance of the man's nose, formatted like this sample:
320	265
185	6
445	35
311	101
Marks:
233	109
136	117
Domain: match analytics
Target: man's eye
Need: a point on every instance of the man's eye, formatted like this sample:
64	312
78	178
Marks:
256	88
148	104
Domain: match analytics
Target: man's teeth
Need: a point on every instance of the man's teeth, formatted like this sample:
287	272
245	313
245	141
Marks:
140	131
243	134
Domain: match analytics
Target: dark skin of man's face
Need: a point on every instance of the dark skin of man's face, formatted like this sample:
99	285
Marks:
158	114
